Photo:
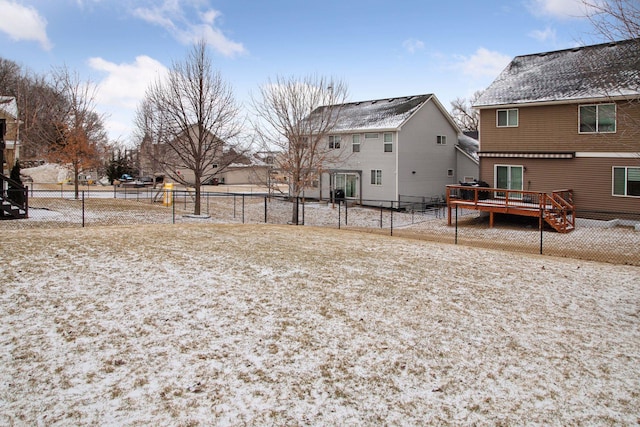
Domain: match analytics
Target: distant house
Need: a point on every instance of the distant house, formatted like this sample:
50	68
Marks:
567	119
9	115
394	150
243	169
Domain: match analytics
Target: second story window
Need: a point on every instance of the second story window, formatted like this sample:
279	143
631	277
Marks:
334	141
600	118
441	139
388	142
507	118
355	143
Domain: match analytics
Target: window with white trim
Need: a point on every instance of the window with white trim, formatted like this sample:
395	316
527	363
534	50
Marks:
449	172
441	139
334	141
355	143
507	118
376	177
388	142
597	118
371	135
626	181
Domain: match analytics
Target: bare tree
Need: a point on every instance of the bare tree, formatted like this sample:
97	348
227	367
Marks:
614	19
36	99
190	116
294	117
466	117
78	135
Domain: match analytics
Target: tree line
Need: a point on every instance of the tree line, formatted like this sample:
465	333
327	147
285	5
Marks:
190	120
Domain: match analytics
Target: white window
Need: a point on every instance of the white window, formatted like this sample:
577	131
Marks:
507	118
449	172
600	118
388	142
371	136
334	141
441	139
376	177
355	143
626	181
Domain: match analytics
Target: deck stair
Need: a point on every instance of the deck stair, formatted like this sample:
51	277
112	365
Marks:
556	209
12	207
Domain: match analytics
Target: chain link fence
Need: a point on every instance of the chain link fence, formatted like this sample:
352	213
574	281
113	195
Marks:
608	239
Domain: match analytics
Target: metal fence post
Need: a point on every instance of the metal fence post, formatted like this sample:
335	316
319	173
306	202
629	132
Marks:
541	229
83	209
380	216
456	239
265	209
243	208
339	214
173	206
346	213
391	218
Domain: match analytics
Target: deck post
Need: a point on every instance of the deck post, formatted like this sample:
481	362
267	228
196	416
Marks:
490	219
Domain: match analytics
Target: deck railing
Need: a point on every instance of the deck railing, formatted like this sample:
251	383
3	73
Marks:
475	195
556	209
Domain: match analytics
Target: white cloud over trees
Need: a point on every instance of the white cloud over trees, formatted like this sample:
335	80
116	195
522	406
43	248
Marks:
23	23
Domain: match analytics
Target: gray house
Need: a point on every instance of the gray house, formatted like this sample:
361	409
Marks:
395	150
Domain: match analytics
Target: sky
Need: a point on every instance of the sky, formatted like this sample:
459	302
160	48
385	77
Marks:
380	49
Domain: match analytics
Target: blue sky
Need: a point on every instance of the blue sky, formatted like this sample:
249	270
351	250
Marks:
379	48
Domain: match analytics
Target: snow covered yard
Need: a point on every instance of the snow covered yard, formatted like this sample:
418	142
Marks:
277	325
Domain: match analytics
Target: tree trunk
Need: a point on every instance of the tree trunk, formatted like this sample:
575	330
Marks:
198	188
75	181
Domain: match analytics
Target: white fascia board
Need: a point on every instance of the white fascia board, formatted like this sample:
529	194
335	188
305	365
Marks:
559	102
614	155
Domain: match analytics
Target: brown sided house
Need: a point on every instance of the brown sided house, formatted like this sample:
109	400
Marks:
567	119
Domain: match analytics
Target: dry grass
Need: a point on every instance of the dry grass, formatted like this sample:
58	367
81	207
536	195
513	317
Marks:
255	325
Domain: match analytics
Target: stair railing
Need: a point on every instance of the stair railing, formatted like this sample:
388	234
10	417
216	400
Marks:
10	189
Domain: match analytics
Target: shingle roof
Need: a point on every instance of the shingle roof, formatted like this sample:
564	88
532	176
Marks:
378	114
598	71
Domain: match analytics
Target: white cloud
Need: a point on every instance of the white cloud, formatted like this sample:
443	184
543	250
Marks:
171	15
558	8
483	63
23	23
548	34
122	88
412	45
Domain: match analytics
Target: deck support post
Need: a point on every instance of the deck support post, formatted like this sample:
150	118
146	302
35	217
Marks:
490	219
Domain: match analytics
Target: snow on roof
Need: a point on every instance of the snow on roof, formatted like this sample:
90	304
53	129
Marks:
379	114
9	106
604	70
469	145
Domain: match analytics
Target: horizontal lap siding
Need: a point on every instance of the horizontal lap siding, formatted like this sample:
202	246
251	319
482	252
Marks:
590	178
555	128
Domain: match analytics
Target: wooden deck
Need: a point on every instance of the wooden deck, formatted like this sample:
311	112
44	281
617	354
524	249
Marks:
556	209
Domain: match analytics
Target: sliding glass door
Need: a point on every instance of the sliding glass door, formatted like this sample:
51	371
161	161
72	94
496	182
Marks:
509	177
